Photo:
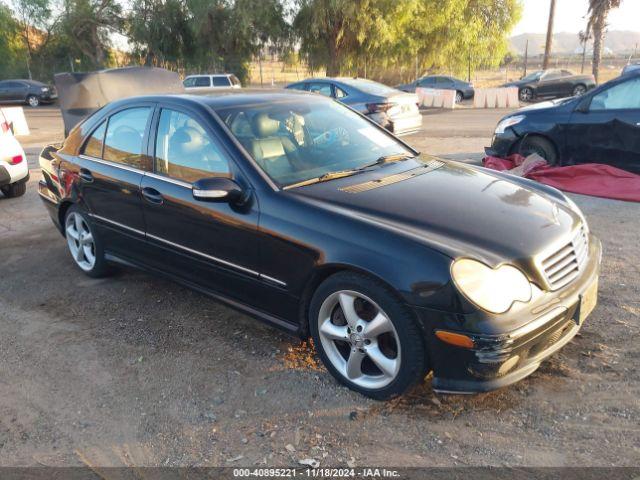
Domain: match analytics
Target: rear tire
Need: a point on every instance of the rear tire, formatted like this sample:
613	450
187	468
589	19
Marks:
84	244
14	190
541	146
33	101
377	348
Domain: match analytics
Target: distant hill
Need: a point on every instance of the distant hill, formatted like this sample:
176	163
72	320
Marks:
617	42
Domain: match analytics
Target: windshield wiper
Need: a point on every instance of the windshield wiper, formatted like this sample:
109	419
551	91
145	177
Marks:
346	173
325	177
396	157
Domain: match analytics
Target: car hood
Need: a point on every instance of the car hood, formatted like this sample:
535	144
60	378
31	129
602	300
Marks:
455	208
516	83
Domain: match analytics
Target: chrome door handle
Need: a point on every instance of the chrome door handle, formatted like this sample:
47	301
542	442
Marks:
151	195
86	175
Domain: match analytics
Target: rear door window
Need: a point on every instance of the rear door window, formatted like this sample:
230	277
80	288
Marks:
93	146
221	82
125	132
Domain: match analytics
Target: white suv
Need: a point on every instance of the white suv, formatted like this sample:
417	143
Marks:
14	171
210	83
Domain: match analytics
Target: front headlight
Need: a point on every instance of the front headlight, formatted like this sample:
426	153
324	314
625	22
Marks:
494	290
508	122
44	89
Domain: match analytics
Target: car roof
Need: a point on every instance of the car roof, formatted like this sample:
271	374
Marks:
244	97
209	75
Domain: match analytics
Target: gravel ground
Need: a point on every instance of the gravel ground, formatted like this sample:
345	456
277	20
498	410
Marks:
134	370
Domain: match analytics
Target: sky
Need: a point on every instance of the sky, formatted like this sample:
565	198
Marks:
571	16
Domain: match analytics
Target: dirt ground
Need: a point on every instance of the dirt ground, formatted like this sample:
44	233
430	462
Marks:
134	370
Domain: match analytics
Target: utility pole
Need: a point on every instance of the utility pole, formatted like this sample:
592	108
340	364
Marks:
526	57
469	72
548	45
584	55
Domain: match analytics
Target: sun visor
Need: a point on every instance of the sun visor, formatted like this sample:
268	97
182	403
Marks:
81	94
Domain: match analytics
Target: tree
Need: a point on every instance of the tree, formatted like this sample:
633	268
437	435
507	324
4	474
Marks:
598	13
343	34
549	42
11	46
86	24
35	25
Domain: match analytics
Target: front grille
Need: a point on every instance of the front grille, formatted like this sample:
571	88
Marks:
564	265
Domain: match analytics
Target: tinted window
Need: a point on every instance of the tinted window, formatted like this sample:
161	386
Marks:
125	130
221	82
426	82
189	82
14	85
234	80
624	96
202	82
321	88
297	86
93	147
443	82
185	151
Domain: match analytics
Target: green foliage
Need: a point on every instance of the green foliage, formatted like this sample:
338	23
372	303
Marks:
12	50
346	34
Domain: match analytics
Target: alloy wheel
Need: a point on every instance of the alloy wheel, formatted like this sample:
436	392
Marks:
33	101
579	90
526	94
359	339
459	97
80	240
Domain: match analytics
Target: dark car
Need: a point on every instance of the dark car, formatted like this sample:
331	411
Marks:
395	110
602	126
305	214
552	84
26	91
631	67
464	90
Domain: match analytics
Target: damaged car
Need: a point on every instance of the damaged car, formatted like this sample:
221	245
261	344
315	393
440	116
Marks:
307	215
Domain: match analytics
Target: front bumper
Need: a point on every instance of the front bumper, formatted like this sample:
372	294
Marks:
498	360
502	144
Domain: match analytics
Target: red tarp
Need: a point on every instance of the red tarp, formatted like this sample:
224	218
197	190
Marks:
593	179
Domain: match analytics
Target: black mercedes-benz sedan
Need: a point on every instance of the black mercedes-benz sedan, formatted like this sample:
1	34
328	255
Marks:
303	213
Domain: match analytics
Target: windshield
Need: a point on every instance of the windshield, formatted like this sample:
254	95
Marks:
533	76
297	140
368	86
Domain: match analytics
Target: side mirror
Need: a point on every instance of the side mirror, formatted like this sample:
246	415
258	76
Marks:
218	189
583	106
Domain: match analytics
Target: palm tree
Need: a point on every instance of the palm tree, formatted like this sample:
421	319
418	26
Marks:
598	12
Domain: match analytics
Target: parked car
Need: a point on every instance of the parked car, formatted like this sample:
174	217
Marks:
552	84
395	110
602	126
464	90
29	92
210	83
631	67
14	171
299	211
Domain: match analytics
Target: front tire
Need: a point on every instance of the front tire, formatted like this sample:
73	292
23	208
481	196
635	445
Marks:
526	94
459	97
14	190
84	244
541	146
366	337
33	101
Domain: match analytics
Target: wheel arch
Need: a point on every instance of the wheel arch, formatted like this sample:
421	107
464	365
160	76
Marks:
517	145
319	275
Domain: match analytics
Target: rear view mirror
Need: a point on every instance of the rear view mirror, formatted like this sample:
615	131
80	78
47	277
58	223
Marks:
218	189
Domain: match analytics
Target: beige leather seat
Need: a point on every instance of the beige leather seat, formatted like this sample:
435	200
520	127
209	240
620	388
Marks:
272	149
